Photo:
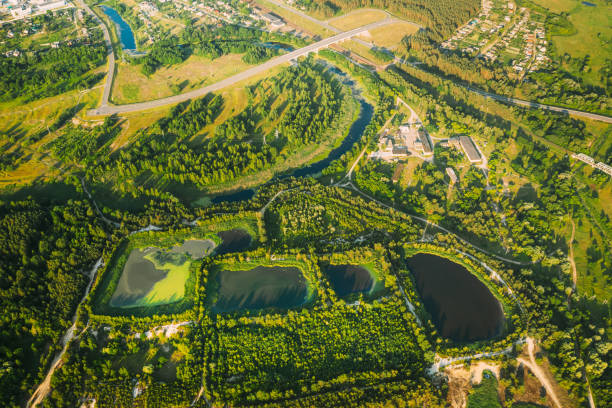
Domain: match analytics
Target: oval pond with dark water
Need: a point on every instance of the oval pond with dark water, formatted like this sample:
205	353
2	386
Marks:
347	279
461	306
234	240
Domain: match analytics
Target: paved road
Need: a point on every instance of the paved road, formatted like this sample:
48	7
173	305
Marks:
109	47
266	66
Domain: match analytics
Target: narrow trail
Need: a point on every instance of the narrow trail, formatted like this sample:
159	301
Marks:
539	373
351	186
106	220
571	255
441	362
265	207
44	388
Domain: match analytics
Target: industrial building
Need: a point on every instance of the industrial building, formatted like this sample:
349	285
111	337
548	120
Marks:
468	146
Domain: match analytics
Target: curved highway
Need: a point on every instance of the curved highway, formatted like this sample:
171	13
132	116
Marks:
105	109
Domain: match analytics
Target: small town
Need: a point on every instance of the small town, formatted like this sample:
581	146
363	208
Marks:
11	10
504	34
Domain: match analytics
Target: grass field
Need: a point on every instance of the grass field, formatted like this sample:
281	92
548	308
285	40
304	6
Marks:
131	85
484	395
593	36
20	121
362	51
390	36
357	19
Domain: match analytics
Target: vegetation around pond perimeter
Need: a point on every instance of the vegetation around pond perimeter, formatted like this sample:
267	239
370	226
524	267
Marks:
317	354
513	317
154	276
260	284
155	272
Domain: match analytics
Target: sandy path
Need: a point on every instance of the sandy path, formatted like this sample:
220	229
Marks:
45	387
539	373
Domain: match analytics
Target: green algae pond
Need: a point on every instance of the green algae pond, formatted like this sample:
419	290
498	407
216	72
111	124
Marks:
156	276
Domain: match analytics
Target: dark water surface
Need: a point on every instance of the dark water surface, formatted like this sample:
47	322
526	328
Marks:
260	287
462	307
126	35
347	279
234	240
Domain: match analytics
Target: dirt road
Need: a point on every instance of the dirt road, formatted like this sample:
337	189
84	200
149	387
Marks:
45	387
539	373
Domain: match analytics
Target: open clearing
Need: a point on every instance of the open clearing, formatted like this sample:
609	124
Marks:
131	85
357	18
390	36
594	28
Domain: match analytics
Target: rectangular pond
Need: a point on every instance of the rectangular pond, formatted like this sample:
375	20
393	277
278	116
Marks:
261	287
156	276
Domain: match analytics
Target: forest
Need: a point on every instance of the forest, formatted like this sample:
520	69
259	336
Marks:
441	18
41	74
46	252
300	103
213	43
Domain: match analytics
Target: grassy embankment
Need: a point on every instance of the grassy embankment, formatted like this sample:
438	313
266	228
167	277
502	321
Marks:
297	20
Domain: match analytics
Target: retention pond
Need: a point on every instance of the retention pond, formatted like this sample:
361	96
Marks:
260	288
461	306
347	279
155	276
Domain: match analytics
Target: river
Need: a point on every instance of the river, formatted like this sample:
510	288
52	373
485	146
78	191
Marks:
354	134
126	35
